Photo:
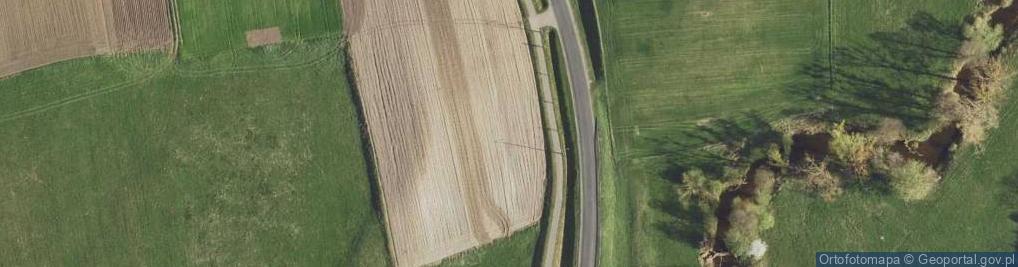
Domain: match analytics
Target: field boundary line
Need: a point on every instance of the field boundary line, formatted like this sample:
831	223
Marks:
422	23
560	184
183	71
81	96
830	43
178	37
168	67
334	51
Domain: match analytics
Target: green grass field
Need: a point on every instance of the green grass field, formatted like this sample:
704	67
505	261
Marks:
210	27
520	249
674	64
670	64
972	210
233	157
225	168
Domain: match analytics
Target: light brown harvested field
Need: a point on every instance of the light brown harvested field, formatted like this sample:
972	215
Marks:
34	33
260	37
451	104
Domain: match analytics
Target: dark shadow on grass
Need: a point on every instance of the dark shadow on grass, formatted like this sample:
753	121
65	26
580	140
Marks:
546	209
686	150
1014	218
1008	198
686	224
896	74
588	16
366	149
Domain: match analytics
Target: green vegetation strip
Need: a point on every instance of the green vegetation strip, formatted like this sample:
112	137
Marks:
211	27
564	98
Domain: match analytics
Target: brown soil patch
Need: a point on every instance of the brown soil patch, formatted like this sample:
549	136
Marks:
450	99
813	146
935	151
34	33
267	36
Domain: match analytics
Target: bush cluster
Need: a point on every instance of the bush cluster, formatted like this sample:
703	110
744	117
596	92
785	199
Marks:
852	150
912	180
750	216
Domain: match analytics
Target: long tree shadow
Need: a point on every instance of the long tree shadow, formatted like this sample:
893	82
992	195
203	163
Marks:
1007	198
705	147
686	224
713	147
896	74
1014	218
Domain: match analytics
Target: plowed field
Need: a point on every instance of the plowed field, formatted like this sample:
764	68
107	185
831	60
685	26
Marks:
448	92
38	32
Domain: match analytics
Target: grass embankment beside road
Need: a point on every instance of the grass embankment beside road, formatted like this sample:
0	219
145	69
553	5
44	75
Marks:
564	99
539	5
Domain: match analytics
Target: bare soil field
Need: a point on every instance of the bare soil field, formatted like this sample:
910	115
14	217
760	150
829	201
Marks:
449	95
34	33
267	36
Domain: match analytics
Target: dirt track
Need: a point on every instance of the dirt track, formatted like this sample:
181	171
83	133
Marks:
34	33
450	99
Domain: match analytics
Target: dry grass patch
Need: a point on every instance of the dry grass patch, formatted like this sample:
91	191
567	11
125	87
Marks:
267	36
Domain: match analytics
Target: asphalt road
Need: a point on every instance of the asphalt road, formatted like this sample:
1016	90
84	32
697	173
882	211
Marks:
586	133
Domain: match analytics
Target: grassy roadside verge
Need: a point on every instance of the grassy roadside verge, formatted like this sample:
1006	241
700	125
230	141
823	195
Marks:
615	238
564	99
540	5
615	196
590	34
549	247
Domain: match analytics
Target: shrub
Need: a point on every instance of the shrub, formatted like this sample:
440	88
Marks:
913	180
764	180
974	118
981	37
699	188
757	249
980	80
820	181
747	220
889	131
852	150
775	156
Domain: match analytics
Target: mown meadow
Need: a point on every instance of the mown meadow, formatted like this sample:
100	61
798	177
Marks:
669	66
973	207
687	79
233	156
210	27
